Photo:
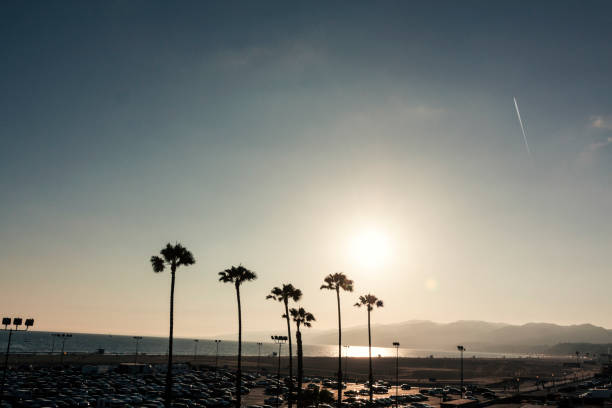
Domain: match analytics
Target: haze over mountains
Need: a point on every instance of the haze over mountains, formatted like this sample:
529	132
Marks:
474	335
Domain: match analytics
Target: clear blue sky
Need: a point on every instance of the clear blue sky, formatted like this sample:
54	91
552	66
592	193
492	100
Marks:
274	133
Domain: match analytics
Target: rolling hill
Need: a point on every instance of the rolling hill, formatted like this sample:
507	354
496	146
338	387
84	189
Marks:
475	335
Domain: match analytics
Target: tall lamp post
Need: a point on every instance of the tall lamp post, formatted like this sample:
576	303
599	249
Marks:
258	354
279	340
553	381
396	345
52	343
64	337
137	338
217	355
6	321
346	349
195	349
578	358
461	349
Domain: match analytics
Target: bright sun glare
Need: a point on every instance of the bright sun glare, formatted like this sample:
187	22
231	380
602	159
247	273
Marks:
370	248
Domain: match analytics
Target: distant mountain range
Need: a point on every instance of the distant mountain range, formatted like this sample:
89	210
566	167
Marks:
474	335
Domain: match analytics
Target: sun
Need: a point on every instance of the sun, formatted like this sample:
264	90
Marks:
370	248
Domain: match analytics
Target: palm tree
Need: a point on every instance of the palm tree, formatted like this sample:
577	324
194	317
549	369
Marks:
284	294
172	256
300	317
237	275
369	301
337	281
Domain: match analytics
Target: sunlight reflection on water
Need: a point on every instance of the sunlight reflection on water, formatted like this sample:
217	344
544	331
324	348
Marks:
43	342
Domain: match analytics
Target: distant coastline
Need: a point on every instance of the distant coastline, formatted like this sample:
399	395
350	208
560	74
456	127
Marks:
41	342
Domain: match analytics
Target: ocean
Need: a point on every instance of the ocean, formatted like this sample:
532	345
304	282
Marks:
46	342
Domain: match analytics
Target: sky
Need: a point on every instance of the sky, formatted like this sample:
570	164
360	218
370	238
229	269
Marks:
301	139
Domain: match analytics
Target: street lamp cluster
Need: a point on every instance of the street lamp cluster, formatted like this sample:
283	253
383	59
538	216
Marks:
195	349
258	354
64	337
280	340
137	338
396	345
461	349
6	322
17	321
346	349
217	342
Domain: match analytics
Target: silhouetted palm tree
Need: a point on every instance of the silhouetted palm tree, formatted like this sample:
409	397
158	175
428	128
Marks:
284	294
171	257
369	301
300	317
237	275
336	282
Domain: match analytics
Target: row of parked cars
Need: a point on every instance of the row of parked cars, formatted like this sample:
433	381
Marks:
207	388
356	397
69	387
414	400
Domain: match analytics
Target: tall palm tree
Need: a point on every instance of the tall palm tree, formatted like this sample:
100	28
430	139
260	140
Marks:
300	317
284	294
237	275
337	281
172	256
369	301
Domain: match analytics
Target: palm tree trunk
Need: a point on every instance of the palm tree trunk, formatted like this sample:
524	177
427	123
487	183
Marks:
300	372
370	355
290	353
168	399
339	350
239	371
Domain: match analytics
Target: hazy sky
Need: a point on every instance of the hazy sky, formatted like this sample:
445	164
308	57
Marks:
277	135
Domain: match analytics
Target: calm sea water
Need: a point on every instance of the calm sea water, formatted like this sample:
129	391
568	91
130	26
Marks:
44	342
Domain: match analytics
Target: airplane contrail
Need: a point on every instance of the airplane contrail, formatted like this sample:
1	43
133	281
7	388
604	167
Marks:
522	128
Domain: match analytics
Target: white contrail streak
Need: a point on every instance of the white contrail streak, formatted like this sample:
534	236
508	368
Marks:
522	128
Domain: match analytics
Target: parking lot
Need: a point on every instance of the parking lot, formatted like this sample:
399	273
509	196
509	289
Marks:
109	387
356	395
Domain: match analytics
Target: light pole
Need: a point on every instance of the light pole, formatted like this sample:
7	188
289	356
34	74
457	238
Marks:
279	340
137	338
6	321
52	343
258	355
346	349
195	349
63	336
396	345
578	358
553	381
461	349
217	355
